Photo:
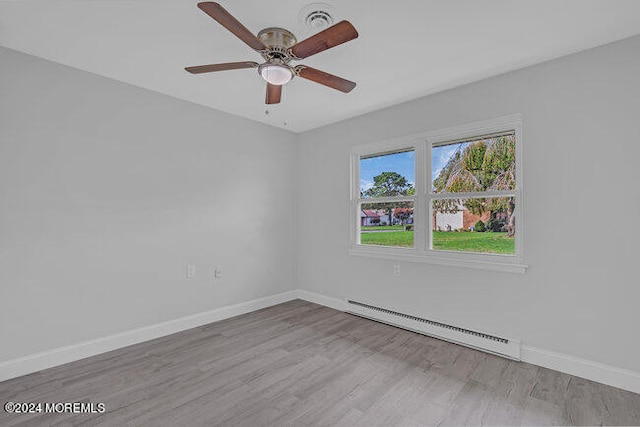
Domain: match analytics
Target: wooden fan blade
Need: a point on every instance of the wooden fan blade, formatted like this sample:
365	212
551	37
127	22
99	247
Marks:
326	79
227	20
221	67
335	35
273	94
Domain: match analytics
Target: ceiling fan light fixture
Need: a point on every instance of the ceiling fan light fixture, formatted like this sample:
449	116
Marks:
275	74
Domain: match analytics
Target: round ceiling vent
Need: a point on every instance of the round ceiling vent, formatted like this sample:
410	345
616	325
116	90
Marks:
318	20
317	16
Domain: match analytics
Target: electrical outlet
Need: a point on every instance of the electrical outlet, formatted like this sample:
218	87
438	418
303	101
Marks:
396	269
191	271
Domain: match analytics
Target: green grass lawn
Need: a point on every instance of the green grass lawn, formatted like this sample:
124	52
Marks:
494	243
390	238
383	227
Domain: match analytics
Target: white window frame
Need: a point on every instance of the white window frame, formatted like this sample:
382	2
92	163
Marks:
422	251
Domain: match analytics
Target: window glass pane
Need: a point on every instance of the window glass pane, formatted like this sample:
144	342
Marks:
479	164
387	175
484	225
387	224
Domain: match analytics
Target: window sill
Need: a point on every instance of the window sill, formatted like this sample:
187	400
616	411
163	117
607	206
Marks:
412	255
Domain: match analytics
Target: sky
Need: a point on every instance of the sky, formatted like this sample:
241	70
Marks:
441	155
403	163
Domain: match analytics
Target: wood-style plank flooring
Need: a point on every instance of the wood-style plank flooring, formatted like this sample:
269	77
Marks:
299	364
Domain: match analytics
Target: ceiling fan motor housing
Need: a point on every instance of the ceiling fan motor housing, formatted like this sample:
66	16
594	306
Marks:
277	38
278	41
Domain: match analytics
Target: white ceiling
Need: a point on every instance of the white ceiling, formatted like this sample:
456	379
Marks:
406	49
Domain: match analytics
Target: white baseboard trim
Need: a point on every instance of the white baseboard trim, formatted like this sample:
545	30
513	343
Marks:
605	374
59	356
330	302
594	371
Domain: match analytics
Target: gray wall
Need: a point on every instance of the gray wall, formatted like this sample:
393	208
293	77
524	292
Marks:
581	203
107	191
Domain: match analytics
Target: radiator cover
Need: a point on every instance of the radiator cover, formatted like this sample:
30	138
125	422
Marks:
493	344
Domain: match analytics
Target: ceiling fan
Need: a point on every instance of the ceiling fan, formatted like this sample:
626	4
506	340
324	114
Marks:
279	47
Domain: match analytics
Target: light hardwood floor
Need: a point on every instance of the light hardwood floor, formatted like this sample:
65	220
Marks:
302	364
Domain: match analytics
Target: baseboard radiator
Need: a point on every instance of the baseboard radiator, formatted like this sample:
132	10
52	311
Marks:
500	346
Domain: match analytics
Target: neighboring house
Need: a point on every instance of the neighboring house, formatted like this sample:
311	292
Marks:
469	220
369	217
455	221
448	221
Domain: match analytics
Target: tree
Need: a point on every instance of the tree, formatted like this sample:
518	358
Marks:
499	170
448	173
483	165
388	184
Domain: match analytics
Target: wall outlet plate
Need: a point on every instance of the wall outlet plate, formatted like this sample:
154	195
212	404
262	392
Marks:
191	271
396	269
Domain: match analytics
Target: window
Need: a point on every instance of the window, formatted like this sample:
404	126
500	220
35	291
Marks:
466	176
450	197
387	193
